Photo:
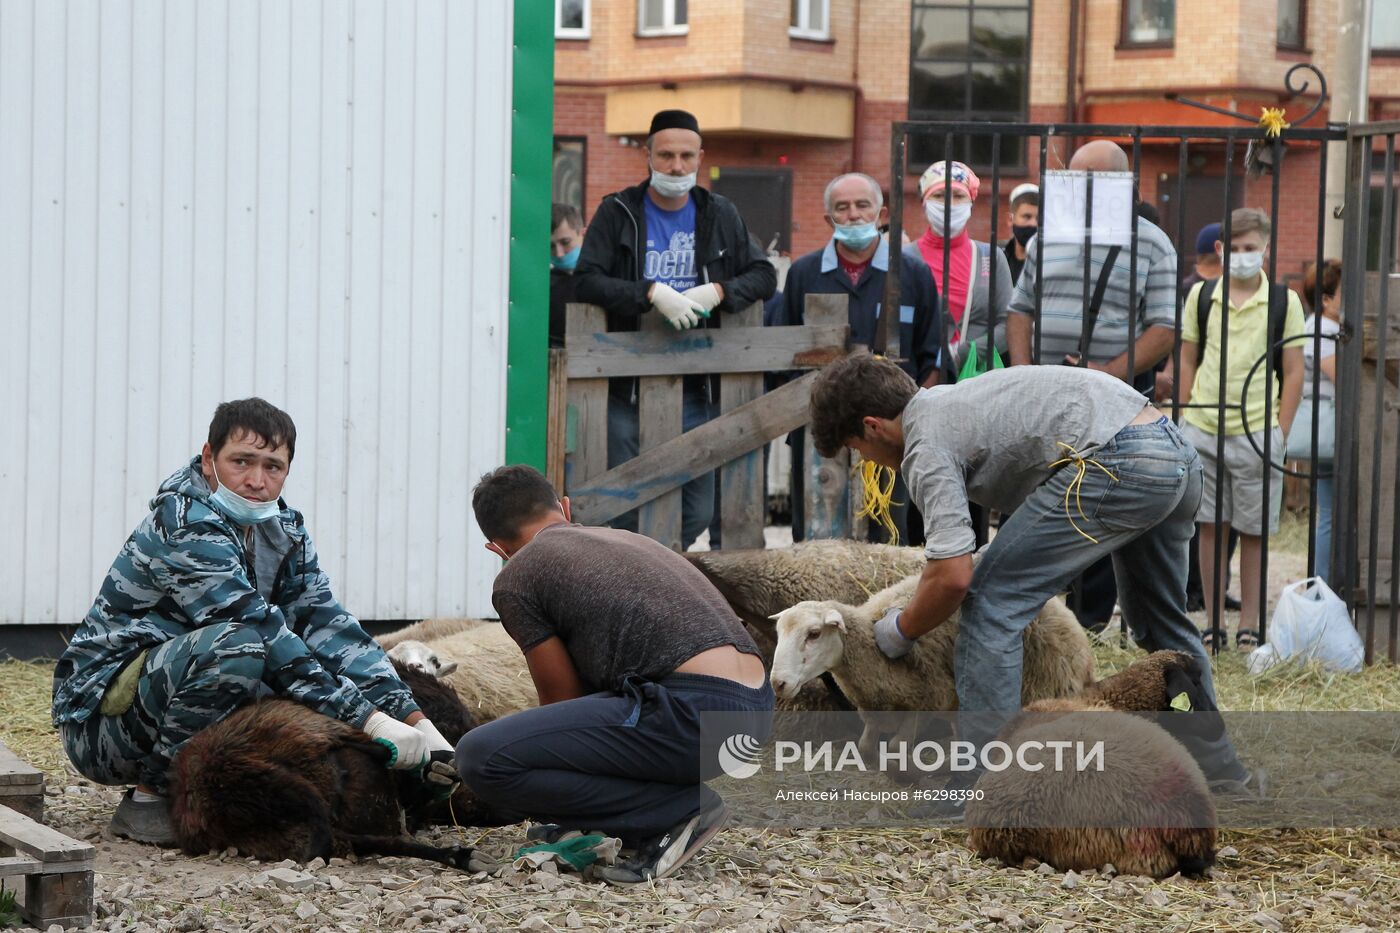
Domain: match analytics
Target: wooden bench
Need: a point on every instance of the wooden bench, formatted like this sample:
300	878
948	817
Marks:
57	871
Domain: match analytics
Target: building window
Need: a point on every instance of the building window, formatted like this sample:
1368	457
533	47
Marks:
1385	27
570	170
1149	22
811	19
662	17
969	60
1292	23
571	19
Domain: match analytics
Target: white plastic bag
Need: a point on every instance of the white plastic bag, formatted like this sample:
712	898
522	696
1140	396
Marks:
1310	623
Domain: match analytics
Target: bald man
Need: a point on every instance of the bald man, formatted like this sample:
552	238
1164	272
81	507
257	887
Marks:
1149	325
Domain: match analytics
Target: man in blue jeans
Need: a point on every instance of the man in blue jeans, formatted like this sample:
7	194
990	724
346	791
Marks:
1085	467
629	646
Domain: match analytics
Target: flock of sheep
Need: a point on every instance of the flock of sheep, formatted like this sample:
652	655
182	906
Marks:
277	780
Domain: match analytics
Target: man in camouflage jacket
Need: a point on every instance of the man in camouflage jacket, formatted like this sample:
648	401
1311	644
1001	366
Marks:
217	598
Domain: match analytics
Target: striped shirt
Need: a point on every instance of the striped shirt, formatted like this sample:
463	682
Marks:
1062	302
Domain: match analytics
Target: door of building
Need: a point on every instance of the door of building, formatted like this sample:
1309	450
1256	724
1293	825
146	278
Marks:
1204	196
764	199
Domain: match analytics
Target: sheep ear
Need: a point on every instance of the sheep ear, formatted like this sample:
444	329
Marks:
777	616
833	617
447	668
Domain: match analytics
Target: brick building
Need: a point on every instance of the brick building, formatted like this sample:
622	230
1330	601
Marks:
792	92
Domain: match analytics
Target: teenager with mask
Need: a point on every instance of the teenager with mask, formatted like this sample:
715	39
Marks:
972	306
565	243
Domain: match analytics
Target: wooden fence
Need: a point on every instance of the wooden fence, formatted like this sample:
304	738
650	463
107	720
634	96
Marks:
740	351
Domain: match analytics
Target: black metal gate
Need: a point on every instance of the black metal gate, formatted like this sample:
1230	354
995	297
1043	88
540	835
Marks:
1366	488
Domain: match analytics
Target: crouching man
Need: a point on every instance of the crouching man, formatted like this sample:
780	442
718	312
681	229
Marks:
215	599
1085	467
628	644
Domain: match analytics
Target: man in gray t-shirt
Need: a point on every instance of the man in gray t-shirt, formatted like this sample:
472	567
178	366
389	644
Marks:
1086	467
629	645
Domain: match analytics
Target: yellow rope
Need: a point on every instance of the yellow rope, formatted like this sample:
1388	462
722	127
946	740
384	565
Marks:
1081	464
877	495
1272	121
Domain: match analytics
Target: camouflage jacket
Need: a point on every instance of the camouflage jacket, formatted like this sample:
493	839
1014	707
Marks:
188	565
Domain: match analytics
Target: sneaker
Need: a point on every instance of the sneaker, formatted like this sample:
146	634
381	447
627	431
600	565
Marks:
144	821
1254	785
660	857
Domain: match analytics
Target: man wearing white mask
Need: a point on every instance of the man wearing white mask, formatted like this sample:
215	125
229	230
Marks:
217	598
670	247
975	301
1262	314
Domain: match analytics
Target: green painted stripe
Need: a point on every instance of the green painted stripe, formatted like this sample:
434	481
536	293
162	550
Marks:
531	165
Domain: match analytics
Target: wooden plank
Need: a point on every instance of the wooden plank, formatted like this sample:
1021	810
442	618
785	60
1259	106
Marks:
14	770
556	405
589	400
31	804
733	349
741	503
660	399
12	865
827	500
676	462
65	899
31	838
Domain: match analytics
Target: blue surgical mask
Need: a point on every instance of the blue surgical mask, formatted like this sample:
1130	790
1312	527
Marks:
241	510
566	262
672	186
856	236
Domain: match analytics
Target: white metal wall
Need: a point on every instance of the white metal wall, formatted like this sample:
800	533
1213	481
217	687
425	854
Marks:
302	200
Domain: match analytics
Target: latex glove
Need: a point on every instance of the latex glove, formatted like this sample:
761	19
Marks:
706	296
682	312
441	770
410	747
889	638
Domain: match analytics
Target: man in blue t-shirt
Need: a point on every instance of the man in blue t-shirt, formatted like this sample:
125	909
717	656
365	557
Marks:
668	246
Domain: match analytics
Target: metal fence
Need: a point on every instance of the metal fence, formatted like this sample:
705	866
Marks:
1367	488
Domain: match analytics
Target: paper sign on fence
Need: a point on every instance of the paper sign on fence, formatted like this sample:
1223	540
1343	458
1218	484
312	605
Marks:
1062	208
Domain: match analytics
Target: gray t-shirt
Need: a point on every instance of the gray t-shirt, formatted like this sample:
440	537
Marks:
992	440
622	604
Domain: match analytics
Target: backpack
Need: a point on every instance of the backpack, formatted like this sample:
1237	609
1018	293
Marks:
1278	313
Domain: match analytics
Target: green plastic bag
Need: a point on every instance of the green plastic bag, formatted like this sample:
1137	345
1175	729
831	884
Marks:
974	365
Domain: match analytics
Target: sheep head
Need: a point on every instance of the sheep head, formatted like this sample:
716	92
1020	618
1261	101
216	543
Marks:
417	656
810	643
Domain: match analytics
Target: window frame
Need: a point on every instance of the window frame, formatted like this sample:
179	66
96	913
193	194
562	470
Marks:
1125	43
805	16
1302	44
569	32
669	28
1009	164
582	143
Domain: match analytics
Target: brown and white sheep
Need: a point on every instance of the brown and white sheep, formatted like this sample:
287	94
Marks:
427	630
491	676
1149	812
816	637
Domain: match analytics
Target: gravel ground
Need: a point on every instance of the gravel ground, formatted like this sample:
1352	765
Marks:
805	880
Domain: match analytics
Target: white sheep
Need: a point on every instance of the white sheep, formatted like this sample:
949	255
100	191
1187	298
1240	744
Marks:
816	637
490	673
427	630
416	656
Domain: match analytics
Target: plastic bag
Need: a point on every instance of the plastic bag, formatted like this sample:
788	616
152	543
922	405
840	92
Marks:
975	365
1310	623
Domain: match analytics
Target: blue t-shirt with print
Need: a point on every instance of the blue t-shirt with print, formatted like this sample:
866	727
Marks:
670	255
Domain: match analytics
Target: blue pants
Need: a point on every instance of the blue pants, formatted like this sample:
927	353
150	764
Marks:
1325	491
186	684
627	764
1144	518
624	443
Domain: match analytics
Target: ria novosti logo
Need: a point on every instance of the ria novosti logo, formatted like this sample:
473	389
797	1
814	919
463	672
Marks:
738	756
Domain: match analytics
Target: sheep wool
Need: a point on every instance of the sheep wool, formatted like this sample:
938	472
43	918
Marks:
491	675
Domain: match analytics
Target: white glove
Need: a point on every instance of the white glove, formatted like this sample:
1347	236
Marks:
436	743
889	638
682	312
706	296
410	746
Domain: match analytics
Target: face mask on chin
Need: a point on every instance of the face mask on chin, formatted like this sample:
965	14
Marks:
856	236
241	510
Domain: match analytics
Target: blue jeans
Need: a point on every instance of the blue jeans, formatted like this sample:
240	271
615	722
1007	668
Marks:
628	764
1325	492
624	443
1144	519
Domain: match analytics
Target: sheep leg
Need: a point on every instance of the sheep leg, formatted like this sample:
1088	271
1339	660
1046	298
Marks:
451	856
